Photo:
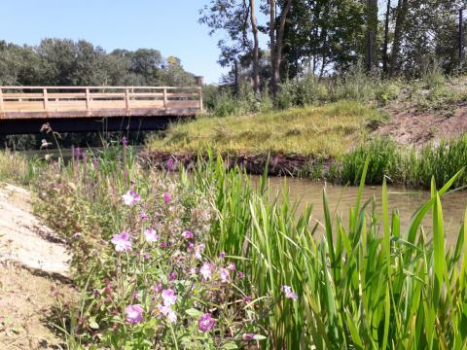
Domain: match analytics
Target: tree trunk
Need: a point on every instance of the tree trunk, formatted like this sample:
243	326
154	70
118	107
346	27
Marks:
272	39
371	33
276	71
386	38
254	28
402	9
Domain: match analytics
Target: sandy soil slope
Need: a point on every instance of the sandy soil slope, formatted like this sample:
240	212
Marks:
33	275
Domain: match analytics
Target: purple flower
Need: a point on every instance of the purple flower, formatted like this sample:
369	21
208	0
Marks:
168	313
143	216
206	323
191	246
173	276
166	197
121	241
151	235
134	314
132	183
240	274
248	336
157	287
232	267
163	244
206	270
224	275
187	234
289	294
199	249
170	164
131	197
146	256
124	141
222	255
247	299
168	297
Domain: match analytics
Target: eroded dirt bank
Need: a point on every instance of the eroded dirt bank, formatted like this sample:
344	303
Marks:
33	275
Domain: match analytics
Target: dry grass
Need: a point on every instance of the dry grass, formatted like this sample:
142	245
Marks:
325	131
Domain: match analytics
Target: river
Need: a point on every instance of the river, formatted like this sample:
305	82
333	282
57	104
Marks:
407	201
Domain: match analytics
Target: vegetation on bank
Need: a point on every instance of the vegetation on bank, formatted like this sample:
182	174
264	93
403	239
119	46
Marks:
209	261
317	131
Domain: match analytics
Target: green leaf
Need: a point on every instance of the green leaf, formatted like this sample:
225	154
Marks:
194	313
229	345
93	323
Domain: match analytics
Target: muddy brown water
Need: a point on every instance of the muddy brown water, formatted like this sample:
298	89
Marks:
407	201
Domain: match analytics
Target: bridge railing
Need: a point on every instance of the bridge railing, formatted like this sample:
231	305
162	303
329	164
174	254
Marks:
95	100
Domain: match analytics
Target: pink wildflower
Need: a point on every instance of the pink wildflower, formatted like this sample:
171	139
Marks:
206	270
166	197
289	294
191	246
248	336
187	234
121	241
168	297
199	249
222	255
143	216
173	276
224	275
134	314
167	311
151	235
240	274
163	244
232	267
131	198
206	323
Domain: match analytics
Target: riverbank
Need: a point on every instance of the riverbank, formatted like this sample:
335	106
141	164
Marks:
33	275
405	143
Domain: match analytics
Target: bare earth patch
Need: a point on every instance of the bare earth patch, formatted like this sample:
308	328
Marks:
409	127
33	275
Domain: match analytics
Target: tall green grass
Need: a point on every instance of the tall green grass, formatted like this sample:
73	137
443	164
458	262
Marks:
363	285
412	167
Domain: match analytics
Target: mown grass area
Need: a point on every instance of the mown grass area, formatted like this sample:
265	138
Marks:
169	281
320	131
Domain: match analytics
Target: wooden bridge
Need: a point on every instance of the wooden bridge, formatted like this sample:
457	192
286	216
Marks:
24	110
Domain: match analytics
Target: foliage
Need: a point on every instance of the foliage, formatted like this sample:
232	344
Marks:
138	241
65	62
371	284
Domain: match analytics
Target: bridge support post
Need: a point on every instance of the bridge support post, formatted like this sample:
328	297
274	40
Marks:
127	101
46	99
2	107
164	93
88	102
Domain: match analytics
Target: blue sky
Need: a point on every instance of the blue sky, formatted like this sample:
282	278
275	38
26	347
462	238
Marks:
170	26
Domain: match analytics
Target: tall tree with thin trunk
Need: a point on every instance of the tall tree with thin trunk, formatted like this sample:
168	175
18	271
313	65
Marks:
371	33
277	40
386	37
254	28
402	9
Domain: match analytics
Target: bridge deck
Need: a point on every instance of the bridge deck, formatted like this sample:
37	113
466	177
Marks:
61	102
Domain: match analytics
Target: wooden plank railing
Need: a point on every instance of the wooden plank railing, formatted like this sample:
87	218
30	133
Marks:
39	101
